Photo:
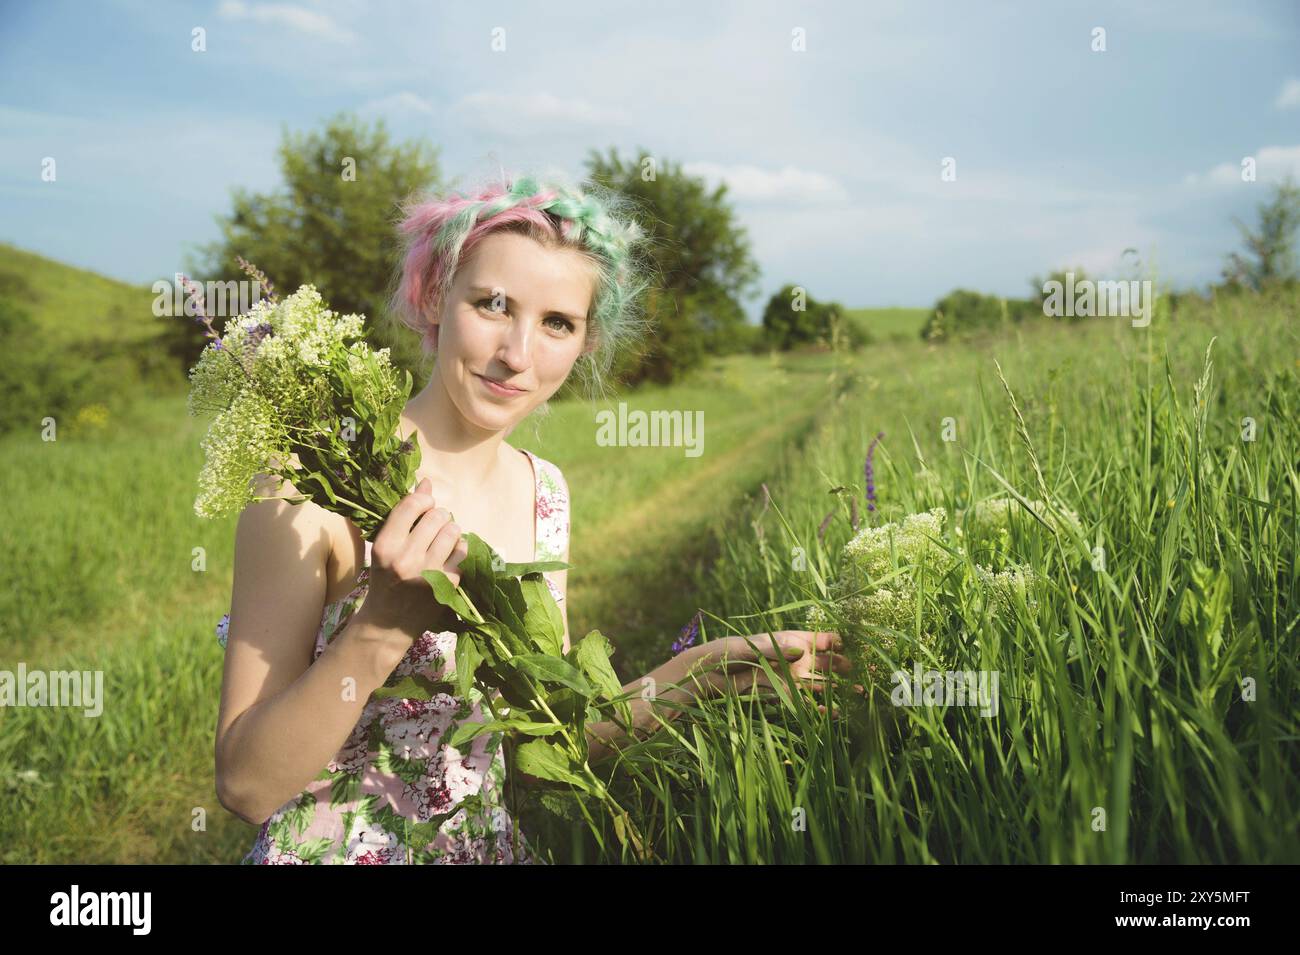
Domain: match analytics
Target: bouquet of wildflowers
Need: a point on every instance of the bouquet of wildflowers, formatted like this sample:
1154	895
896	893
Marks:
292	382
298	394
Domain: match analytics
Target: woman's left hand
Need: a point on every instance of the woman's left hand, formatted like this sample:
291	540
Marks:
813	657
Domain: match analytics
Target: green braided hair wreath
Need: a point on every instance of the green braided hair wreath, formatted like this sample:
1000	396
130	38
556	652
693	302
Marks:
438	233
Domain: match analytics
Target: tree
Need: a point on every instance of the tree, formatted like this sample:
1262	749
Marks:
1270	248
702	258
1066	280
790	320
333	225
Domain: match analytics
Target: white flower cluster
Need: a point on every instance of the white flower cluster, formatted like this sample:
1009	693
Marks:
882	569
238	443
1008	588
877	586
994	515
875	551
301	325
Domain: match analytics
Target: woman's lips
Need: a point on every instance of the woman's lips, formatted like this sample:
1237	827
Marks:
499	389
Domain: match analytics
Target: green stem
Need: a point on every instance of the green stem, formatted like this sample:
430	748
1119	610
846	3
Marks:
601	791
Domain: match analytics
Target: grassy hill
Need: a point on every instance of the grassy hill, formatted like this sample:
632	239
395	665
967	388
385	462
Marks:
78	346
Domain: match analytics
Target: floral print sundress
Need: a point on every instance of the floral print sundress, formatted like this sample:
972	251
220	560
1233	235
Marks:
394	794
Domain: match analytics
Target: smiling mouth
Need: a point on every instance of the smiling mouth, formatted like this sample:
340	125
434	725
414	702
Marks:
511	388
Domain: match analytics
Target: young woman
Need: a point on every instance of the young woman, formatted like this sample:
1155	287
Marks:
511	290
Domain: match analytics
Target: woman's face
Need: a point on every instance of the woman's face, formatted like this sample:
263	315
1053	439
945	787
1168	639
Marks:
516	313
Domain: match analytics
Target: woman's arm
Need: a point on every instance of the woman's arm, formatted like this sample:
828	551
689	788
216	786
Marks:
283	718
649	708
706	670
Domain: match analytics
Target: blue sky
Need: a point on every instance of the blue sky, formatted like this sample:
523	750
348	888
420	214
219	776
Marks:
1064	155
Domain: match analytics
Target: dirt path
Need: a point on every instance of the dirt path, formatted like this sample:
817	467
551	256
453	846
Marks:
629	571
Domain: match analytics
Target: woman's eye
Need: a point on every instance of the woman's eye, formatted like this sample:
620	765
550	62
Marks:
564	324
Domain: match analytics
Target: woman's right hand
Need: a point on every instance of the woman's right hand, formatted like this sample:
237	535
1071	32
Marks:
416	536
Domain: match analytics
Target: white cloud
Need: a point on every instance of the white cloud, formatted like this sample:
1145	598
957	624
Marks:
506	114
403	102
752	183
1288	97
1271	162
296	18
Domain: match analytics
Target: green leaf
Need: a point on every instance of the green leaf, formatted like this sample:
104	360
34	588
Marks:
512	685
542	620
543	666
510	605
547	760
468	658
466	732
533	567
566	704
592	656
476	575
413	686
449	595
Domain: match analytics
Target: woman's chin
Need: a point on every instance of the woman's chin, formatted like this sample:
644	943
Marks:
493	416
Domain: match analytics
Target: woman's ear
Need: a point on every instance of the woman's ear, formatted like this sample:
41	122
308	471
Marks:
431	327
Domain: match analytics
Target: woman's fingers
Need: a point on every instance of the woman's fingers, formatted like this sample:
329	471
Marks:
836	662
431	523
407	511
741	650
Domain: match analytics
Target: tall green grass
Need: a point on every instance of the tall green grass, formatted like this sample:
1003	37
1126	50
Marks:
1125	731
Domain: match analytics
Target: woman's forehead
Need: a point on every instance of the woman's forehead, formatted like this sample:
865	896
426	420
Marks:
528	272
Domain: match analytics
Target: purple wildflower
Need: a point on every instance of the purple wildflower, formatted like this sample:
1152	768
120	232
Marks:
688	634
870	473
257	275
259	332
196	296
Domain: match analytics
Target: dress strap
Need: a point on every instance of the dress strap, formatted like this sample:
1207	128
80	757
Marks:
552	509
366	560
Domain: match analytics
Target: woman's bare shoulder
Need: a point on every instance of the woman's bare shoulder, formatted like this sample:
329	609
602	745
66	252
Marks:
306	515
345	554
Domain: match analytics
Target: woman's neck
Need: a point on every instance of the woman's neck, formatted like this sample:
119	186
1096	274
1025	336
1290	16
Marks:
451	448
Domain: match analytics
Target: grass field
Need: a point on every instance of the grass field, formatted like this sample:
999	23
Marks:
890	324
1110	699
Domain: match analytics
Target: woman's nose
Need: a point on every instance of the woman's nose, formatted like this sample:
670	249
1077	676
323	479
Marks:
517	346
